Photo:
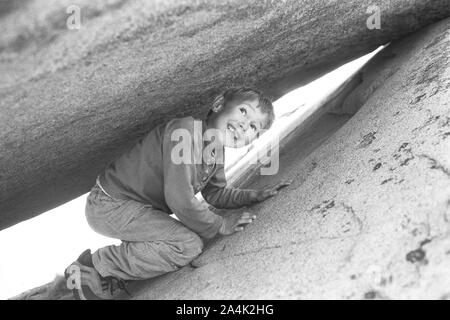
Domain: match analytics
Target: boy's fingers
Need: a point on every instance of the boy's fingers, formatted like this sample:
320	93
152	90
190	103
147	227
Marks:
238	229
246	215
245	221
283	184
273	191
269	193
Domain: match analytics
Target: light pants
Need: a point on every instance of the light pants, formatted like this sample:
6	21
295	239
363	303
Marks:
153	243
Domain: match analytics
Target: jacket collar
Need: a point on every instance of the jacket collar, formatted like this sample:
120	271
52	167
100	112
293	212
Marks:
209	158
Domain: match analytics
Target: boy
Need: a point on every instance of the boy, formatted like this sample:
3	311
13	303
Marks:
135	195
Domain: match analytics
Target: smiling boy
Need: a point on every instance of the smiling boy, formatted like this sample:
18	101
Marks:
136	193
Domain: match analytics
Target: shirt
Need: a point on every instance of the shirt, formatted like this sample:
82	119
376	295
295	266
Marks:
148	174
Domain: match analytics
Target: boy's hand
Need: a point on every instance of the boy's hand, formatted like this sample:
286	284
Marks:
261	195
236	223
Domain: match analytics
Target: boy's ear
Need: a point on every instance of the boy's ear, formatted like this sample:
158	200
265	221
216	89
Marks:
218	104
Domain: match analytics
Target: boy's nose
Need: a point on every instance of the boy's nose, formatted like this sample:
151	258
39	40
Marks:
244	126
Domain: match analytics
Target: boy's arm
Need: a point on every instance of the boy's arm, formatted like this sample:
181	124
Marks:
179	193
218	195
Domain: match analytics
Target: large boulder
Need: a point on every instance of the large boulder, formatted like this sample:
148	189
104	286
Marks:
74	99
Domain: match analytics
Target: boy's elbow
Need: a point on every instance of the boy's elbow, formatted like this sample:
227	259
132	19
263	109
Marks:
208	198
173	202
179	203
211	196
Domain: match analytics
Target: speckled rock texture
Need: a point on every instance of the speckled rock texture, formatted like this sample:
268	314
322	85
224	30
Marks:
72	100
368	213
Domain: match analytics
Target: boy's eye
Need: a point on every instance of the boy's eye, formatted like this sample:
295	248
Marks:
253	127
244	112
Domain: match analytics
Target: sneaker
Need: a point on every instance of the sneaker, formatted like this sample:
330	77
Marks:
87	284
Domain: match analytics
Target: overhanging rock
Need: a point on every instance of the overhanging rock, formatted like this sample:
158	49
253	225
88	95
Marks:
73	100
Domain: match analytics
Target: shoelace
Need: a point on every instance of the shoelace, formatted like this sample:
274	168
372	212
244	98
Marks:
114	283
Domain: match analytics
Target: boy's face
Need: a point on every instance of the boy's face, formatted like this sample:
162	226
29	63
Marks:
239	123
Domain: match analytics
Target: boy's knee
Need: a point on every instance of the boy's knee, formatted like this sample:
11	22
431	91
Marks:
194	245
183	250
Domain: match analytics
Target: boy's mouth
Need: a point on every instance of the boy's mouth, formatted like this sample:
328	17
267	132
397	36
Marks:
234	132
